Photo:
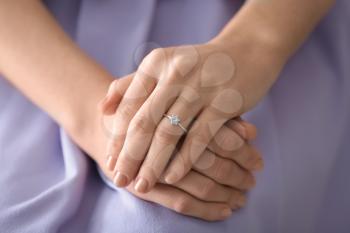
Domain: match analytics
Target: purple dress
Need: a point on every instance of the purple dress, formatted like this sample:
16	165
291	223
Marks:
48	185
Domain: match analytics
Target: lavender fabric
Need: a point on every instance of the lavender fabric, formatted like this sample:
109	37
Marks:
48	185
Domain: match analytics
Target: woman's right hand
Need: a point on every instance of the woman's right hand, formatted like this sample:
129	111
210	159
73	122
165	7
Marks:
207	192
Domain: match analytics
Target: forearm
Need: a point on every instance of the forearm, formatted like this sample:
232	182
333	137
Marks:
262	36
282	25
42	62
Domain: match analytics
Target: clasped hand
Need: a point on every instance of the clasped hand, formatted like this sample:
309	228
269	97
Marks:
202	86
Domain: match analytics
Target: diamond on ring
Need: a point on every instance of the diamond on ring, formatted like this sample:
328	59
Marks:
175	120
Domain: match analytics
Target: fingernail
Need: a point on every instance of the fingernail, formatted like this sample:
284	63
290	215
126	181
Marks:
240	129
258	165
171	178
226	212
109	163
120	180
241	200
141	185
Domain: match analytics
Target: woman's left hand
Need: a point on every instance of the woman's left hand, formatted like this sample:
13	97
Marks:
189	91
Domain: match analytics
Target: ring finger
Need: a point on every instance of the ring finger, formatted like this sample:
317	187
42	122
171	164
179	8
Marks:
166	137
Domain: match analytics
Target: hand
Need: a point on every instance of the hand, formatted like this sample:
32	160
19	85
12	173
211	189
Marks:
202	196
205	86
208	189
227	144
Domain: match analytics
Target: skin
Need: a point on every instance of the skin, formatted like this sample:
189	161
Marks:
206	85
52	72
67	84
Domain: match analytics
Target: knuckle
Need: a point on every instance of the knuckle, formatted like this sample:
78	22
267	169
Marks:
126	112
152	58
179	61
206	161
185	58
223	171
182	205
153	64
141	123
230	141
165	133
157	54
182	64
172	78
208	189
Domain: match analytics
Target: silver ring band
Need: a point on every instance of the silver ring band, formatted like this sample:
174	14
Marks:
175	120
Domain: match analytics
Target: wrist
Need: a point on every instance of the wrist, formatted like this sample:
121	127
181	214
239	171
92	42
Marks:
258	41
84	119
253	31
251	45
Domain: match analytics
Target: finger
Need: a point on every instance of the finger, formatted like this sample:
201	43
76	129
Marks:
165	139
141	128
246	156
140	132
245	129
112	99
150	114
224	171
115	94
207	189
195	142
226	143
113	147
134	97
183	203
225	140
